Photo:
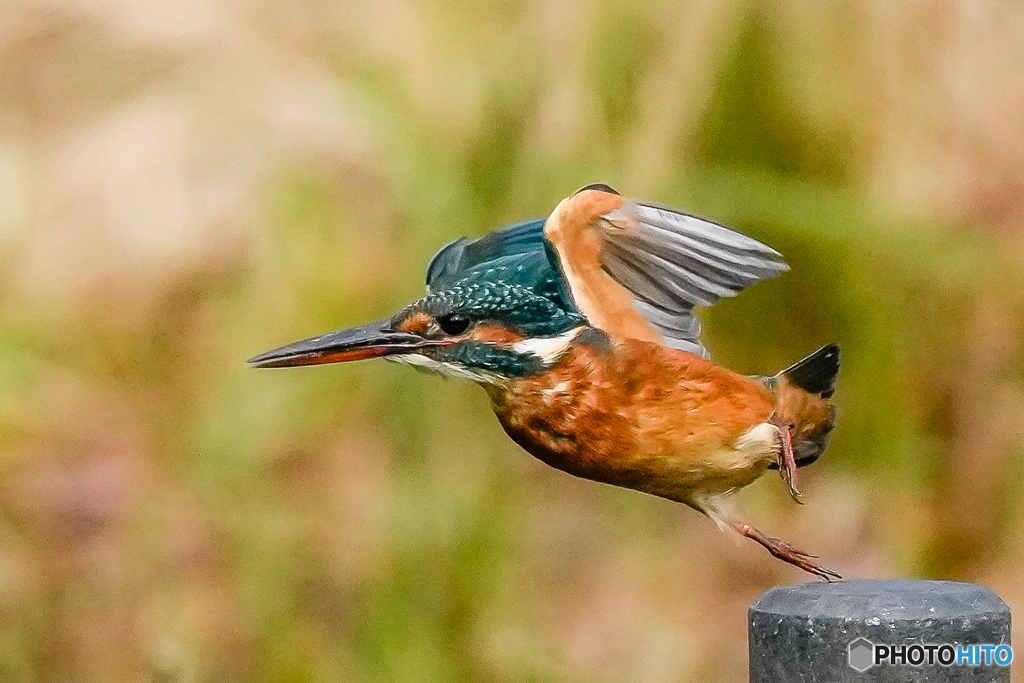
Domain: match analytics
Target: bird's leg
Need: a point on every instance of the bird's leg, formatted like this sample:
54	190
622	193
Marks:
786	552
787	461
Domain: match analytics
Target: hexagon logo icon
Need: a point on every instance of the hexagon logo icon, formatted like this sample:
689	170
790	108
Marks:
861	655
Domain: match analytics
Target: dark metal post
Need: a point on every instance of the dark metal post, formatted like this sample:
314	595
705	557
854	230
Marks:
870	630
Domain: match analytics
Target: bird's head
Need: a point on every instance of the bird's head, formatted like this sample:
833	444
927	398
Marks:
479	330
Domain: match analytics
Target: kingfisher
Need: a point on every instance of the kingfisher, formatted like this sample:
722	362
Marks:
581	329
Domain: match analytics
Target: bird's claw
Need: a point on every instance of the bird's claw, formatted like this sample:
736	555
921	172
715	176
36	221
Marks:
798	558
787	463
794	493
787	553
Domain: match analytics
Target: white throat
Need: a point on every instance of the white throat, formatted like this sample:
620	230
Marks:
449	370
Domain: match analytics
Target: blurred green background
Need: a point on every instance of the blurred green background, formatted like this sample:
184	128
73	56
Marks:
185	184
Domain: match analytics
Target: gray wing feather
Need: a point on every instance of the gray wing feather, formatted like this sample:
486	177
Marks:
656	280
677	261
680	332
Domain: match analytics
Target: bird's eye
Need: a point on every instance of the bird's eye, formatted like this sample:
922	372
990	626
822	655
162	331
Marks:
454	323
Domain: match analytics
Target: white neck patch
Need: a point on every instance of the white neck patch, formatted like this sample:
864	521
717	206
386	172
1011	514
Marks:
548	349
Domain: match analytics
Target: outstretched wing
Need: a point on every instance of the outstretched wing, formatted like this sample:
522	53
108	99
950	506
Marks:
670	263
675	262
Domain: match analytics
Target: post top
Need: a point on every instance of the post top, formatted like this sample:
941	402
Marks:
889	599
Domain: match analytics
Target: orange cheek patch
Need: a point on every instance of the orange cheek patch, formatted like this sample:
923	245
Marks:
417	323
495	334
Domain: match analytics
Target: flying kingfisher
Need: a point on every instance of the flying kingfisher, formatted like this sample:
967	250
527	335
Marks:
580	327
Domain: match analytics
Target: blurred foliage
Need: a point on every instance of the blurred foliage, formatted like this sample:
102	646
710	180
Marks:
183	185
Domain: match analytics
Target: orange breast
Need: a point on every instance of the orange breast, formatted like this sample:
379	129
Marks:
634	414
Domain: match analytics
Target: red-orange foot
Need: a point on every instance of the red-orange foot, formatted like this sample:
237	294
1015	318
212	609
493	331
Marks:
787	553
787	463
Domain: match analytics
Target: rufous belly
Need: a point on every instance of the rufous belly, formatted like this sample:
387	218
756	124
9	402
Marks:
645	417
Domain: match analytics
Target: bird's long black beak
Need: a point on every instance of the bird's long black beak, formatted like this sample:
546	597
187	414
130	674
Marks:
355	343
